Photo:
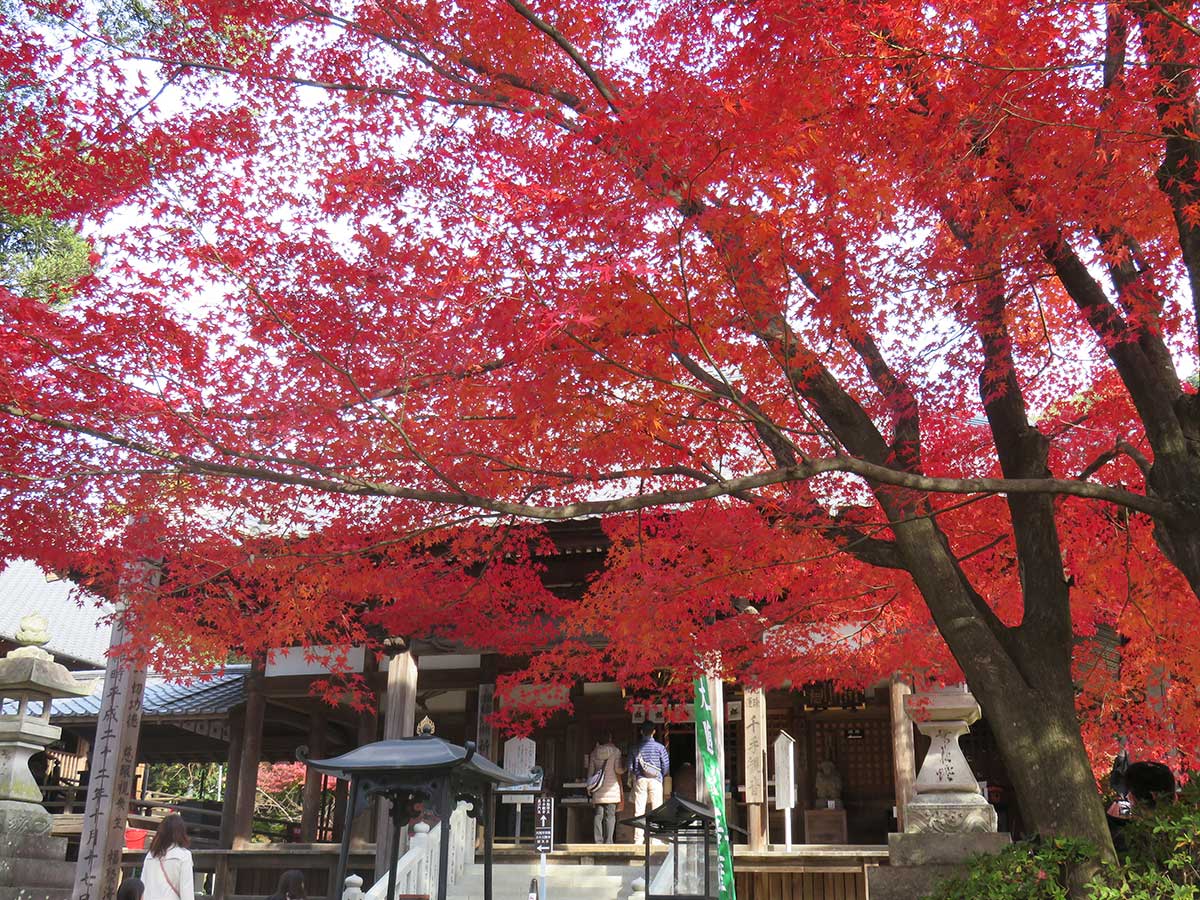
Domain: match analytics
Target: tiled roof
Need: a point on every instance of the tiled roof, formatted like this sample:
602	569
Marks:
198	697
73	614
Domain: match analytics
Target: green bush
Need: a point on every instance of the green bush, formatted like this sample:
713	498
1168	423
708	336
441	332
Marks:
1025	871
1162	862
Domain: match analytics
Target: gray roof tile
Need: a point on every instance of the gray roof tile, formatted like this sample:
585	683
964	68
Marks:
74	615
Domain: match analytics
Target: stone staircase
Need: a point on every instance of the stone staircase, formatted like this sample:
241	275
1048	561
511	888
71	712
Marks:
564	881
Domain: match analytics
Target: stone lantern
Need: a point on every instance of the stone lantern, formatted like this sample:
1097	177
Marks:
947	798
29	680
949	820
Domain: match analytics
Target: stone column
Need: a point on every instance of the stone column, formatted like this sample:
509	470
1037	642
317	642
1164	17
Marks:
399	720
251	756
31	861
904	758
110	772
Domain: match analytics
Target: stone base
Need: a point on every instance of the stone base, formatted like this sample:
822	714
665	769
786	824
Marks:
907	882
917	862
36	873
950	813
33	846
32	867
933	849
34	893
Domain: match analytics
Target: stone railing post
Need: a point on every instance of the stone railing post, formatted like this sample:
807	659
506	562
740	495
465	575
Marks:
353	889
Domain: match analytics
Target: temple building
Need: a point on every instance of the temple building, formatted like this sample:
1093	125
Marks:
855	752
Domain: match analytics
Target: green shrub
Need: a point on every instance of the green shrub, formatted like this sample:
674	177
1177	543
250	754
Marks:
1161	862
1167	839
1025	871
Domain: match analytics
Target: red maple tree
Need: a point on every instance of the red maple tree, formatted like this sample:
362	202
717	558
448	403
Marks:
893	304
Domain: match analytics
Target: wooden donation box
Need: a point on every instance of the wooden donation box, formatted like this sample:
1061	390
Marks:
825	826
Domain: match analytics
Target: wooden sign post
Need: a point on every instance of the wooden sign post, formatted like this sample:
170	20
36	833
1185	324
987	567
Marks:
114	758
754	724
785	782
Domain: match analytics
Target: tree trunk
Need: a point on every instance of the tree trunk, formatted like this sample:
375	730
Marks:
1022	680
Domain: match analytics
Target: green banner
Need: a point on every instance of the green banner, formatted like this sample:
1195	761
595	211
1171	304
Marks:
706	739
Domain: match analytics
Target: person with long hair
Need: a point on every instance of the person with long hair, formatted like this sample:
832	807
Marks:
167	871
291	886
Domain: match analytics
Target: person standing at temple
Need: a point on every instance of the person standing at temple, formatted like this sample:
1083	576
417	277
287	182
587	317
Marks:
651	765
605	762
167	870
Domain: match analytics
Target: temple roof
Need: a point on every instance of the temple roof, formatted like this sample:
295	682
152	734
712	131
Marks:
210	695
75	616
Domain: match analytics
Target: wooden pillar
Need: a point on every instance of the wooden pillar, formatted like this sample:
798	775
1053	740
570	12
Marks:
487	741
904	757
114	758
754	754
310	799
251	756
237	722
399	720
339	810
368	733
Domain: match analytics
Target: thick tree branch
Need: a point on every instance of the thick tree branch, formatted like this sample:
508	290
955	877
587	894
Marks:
182	462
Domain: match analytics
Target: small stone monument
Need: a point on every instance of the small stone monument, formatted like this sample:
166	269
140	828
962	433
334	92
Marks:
30	859
828	785
948	820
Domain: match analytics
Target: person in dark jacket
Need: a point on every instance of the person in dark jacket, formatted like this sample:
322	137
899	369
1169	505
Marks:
650	765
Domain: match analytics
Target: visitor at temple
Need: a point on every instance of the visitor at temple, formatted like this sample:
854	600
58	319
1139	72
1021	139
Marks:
291	886
131	889
604	786
167	870
650	765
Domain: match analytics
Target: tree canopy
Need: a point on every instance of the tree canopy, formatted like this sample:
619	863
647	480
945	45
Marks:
871	325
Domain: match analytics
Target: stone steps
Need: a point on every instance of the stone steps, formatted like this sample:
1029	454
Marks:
510	881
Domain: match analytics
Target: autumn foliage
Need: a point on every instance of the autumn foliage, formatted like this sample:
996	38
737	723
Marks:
861	321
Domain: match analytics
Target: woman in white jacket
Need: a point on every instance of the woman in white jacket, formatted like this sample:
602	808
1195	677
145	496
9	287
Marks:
167	871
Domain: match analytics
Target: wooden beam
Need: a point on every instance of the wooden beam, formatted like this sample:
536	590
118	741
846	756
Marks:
251	756
368	733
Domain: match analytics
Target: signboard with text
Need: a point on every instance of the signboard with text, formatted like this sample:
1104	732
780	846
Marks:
543	823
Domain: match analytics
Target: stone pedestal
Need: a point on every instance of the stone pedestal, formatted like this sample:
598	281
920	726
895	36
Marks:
948	820
31	861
